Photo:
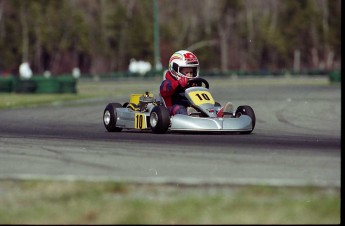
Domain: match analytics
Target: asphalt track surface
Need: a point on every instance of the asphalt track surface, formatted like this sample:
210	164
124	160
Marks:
296	141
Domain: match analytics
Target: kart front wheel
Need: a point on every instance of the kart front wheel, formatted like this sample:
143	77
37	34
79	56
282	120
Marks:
159	119
246	110
109	117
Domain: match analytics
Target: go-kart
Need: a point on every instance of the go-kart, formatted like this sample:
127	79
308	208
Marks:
149	112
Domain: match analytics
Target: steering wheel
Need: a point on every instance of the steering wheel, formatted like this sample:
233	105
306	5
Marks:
198	81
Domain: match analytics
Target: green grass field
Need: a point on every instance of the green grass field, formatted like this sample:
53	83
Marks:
77	202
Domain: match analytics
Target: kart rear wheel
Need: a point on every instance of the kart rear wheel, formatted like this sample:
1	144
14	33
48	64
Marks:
159	119
246	110
109	117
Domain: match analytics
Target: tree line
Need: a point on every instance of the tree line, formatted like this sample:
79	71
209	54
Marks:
102	36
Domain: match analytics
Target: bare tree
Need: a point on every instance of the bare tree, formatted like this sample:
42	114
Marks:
25	32
2	3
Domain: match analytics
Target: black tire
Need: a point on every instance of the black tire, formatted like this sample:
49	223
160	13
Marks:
159	119
109	117
246	110
217	104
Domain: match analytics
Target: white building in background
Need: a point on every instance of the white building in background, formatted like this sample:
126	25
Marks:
76	72
47	74
25	71
140	67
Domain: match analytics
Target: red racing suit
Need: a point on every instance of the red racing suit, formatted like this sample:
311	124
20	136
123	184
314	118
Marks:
170	91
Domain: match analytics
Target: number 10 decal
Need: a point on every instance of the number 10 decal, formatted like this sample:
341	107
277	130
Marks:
201	97
140	121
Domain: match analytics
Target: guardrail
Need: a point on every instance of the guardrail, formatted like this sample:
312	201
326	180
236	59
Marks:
38	84
67	83
210	73
335	76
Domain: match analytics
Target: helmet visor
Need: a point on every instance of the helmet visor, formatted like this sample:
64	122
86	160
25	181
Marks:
189	71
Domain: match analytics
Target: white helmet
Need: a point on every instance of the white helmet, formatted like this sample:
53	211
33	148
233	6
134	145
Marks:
181	59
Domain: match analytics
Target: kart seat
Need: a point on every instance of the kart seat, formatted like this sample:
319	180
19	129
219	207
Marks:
162	100
133	106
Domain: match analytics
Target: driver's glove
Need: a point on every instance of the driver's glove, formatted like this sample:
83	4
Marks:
183	81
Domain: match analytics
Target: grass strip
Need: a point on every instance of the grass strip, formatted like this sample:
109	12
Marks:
82	202
124	88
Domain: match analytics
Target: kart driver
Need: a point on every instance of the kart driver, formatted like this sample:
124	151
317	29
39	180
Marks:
183	65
